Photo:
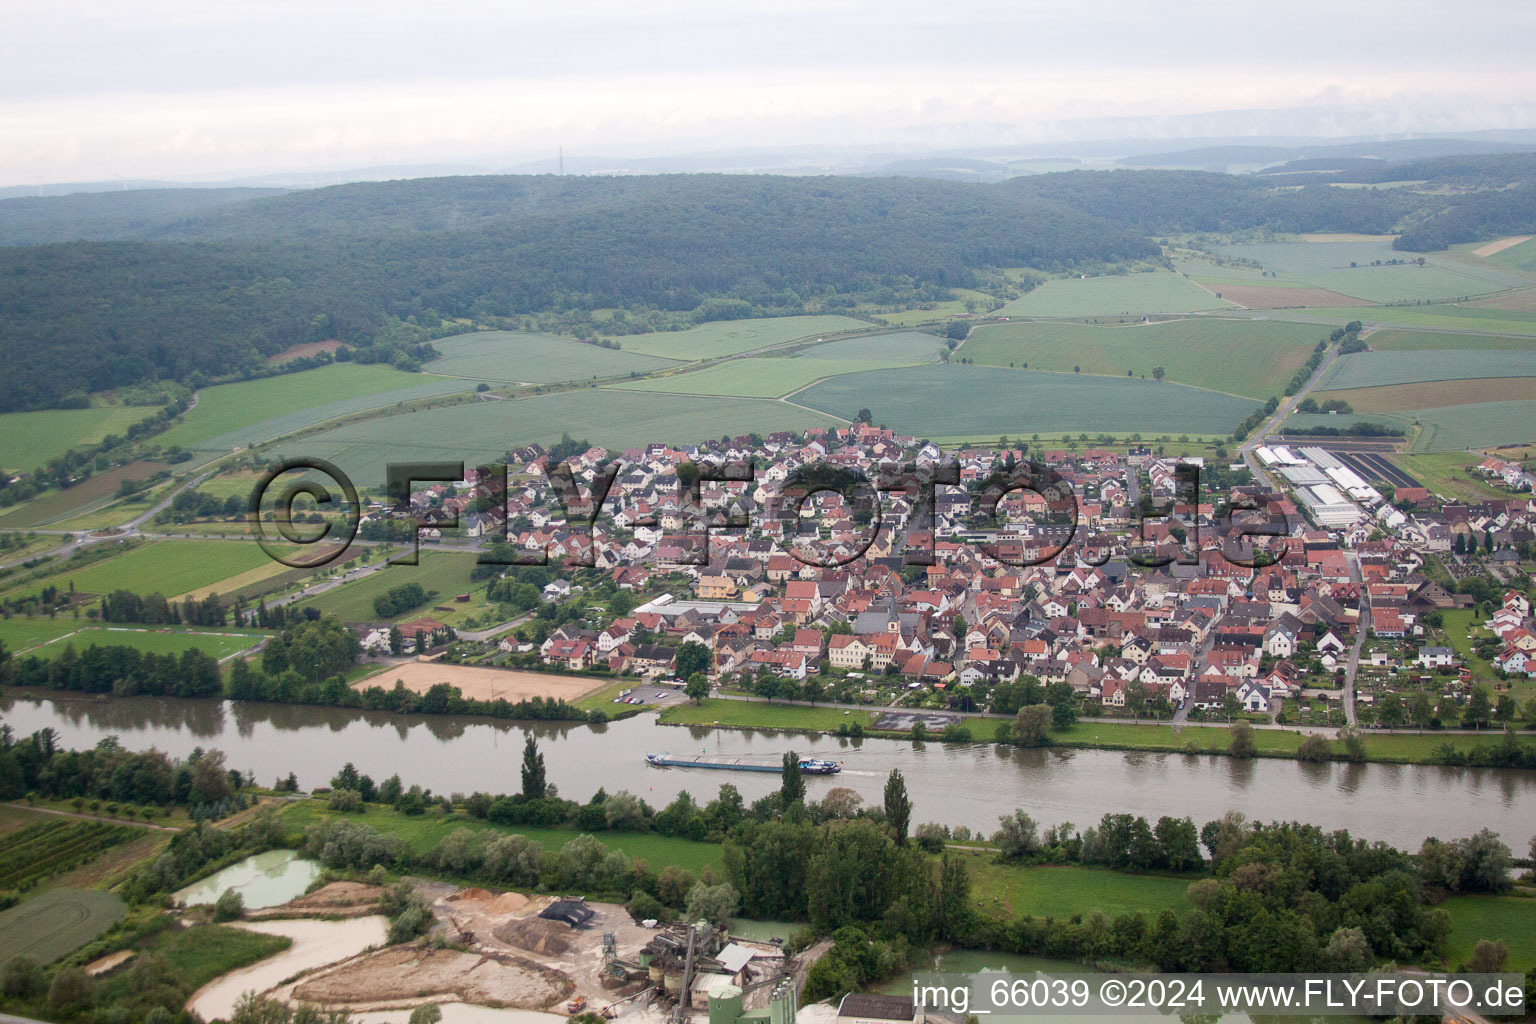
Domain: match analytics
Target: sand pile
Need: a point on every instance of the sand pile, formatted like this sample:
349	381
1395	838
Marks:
471	895
412	973
337	899
506	903
535	934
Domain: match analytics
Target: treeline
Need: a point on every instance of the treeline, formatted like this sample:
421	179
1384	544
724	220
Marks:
79	464
154	609
119	670
38	764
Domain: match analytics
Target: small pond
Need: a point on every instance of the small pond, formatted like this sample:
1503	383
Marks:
263	880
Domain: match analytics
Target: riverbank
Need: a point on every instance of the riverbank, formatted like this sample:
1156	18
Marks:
1381	746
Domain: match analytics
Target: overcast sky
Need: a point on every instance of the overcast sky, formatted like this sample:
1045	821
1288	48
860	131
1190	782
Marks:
196	91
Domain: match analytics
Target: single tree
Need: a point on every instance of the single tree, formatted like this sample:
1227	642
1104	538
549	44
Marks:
898	806
792	784
534	784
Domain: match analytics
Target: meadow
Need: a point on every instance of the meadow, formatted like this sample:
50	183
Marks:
1379	369
1522	255
1242	357
483	432
56	922
1060	891
758	377
974	401
423	832
28	440
1510	919
444	572
168	567
517	357
728	337
233	415
1447	473
1113	295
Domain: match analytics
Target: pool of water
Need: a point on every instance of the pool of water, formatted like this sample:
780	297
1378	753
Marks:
263	880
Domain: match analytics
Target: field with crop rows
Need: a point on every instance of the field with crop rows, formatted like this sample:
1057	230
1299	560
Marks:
232	415
1243	357
728	337
949	400
482	433
1429	394
514	356
1113	295
39	852
1379	369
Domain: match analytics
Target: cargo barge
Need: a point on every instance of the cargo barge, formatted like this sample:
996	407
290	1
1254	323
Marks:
727	762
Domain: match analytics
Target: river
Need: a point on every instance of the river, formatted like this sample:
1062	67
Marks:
963	784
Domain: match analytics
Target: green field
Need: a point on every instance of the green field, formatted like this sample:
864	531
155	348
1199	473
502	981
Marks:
1509	919
218	642
1522	255
728	337
167	567
1409	341
95	492
481	433
232	415
1462	427
1435	317
1381	369
56	922
902	347
446	573
1113	295
1348	267
1446	473
29	440
513	357
196	956
756	377
1243	357
423	832
1064	890
974	401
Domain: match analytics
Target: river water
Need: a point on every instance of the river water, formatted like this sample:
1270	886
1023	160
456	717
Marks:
969	784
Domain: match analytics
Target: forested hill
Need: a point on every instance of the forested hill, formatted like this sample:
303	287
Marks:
335	262
178	283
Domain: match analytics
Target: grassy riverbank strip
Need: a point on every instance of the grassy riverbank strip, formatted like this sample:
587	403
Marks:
1206	738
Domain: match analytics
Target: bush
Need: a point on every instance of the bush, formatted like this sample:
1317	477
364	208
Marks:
345	800
229	906
1315	748
22	978
929	837
70	990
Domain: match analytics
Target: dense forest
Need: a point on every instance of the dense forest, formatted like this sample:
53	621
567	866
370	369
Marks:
137	286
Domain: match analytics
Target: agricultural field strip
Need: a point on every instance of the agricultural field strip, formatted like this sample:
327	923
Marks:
41	851
1383	369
